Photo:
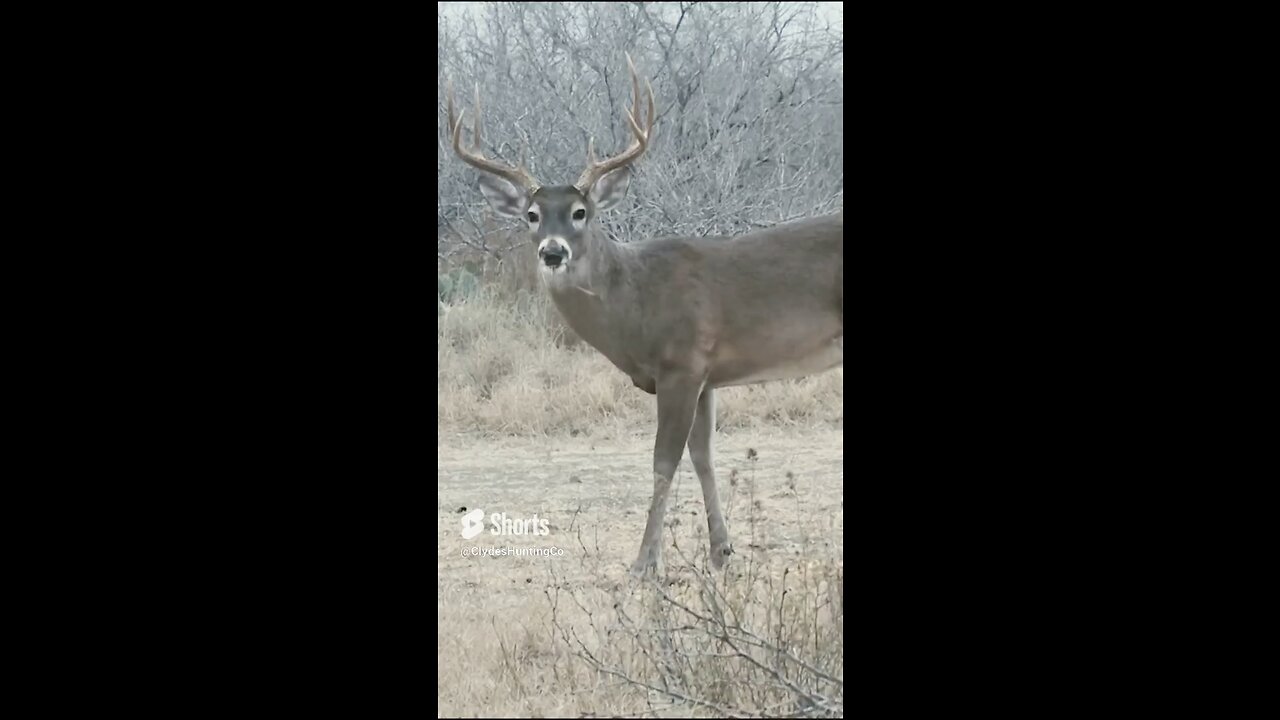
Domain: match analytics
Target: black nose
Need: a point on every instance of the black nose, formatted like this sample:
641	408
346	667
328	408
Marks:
552	256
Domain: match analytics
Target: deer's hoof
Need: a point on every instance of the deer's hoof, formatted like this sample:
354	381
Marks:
720	554
649	564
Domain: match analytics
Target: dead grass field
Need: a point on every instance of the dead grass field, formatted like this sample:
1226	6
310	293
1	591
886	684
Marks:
506	366
499	652
529	427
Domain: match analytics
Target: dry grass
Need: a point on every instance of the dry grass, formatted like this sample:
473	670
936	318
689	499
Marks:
574	635
507	365
532	421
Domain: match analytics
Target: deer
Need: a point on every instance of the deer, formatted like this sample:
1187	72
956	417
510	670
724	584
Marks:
681	316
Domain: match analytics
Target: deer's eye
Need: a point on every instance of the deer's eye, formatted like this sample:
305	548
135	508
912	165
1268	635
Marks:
579	214
533	217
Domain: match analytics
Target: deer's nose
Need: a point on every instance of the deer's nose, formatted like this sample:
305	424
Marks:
553	252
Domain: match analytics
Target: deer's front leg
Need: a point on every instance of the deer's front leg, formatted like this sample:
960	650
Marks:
677	403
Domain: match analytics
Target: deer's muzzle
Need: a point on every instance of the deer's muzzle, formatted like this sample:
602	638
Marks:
553	253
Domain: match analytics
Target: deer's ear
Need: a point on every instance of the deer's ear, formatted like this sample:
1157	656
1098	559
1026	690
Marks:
505	198
610	189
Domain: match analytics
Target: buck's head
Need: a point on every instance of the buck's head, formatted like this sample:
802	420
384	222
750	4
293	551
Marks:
558	216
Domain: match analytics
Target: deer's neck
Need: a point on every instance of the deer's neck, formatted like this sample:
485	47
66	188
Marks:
592	297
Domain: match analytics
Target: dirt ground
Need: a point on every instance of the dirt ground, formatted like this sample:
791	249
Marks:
782	494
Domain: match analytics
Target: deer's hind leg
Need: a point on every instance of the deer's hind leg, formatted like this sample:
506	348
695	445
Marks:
701	442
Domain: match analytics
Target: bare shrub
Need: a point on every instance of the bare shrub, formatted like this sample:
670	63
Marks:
749	133
748	644
750	126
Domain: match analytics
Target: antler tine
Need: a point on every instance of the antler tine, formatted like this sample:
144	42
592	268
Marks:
474	157
449	95
635	85
637	99
596	170
652	105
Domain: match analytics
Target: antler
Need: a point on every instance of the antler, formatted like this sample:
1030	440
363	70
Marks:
517	175
596	170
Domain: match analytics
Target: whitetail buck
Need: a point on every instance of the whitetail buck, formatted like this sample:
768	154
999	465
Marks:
680	315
